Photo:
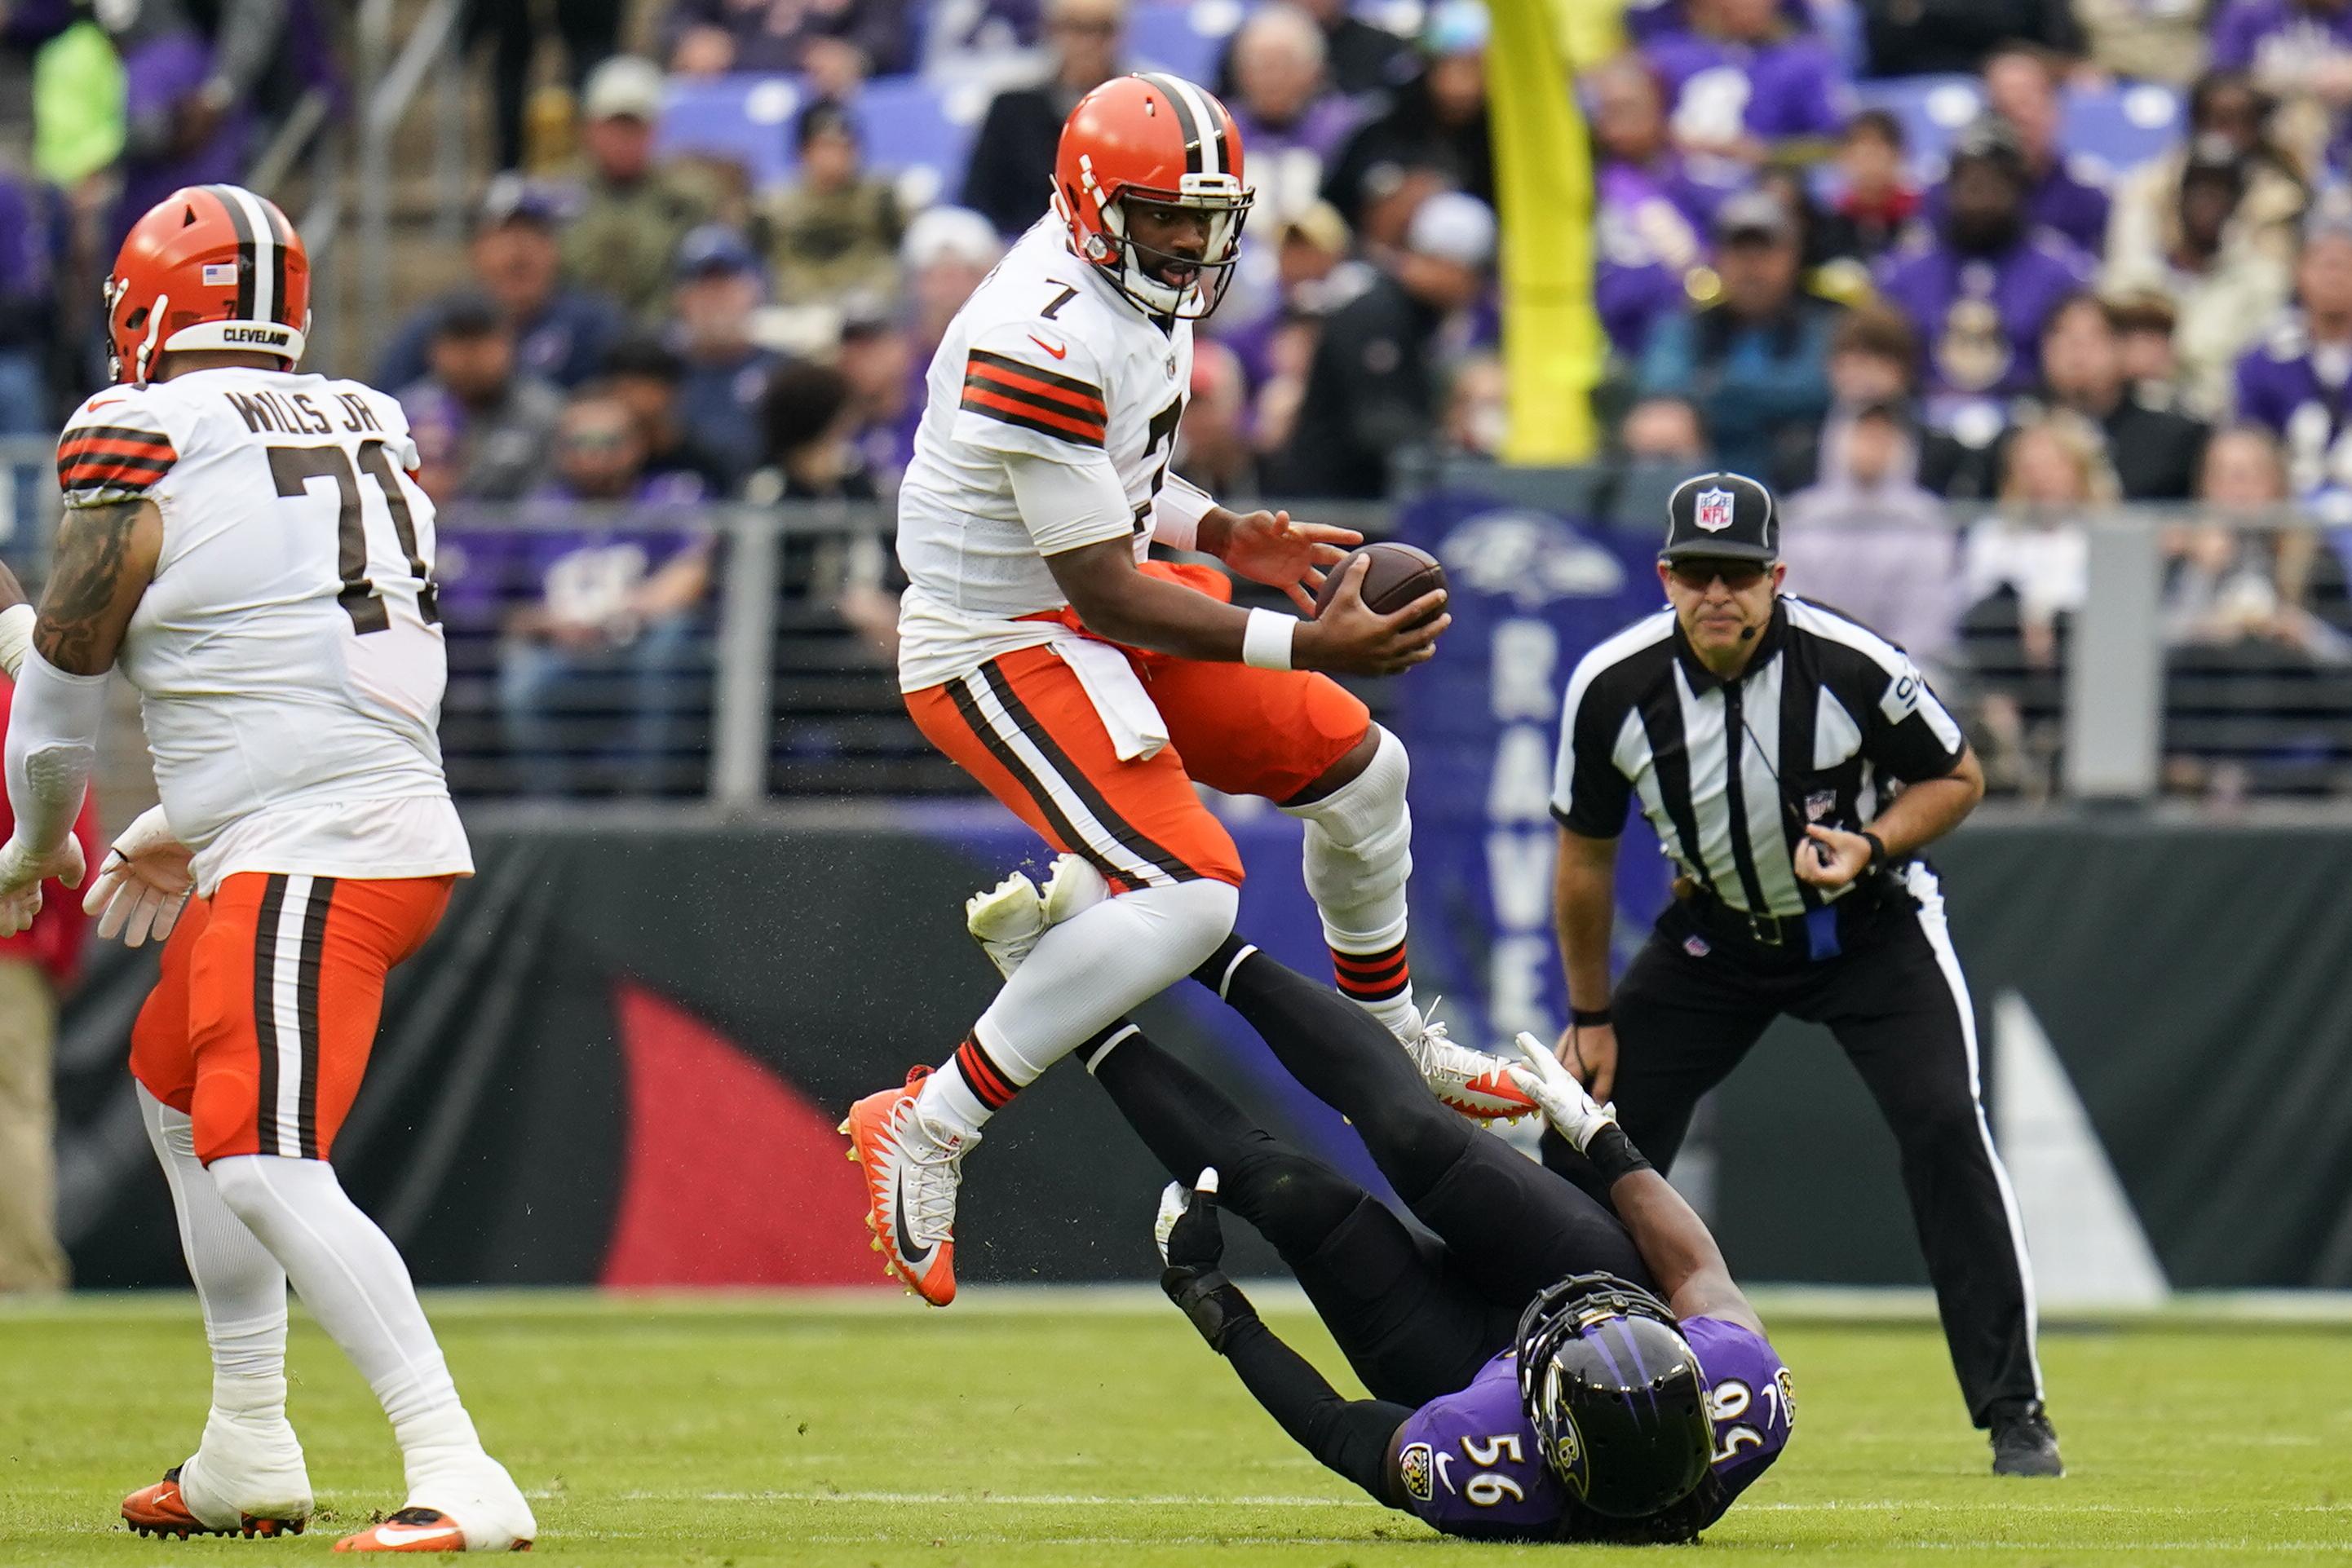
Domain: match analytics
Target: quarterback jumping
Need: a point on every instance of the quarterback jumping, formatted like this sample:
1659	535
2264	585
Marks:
248	543
1088	687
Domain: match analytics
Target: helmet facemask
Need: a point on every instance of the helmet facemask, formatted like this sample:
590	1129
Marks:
1583	1424
1132	264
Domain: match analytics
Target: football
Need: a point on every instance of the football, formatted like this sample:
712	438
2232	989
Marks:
1400	573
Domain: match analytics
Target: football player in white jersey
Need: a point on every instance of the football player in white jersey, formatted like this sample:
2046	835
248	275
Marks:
249	546
1088	687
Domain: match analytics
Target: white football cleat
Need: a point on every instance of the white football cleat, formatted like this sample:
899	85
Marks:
1009	918
477	1509
246	1467
1477	1083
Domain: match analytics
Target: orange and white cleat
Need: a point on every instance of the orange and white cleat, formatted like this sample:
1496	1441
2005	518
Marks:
428	1530
911	1178
1476	1084
162	1510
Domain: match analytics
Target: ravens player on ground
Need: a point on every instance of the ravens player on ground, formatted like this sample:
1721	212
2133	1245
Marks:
1544	1369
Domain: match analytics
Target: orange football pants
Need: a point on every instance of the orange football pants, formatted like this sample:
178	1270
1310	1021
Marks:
260	1026
1023	726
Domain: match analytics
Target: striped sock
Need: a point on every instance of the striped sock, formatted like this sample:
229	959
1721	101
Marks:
1382	984
967	1089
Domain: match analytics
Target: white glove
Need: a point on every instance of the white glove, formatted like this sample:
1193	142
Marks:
144	883
1566	1104
22	872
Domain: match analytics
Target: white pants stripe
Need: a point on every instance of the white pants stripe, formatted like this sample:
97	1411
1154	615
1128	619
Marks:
281	1031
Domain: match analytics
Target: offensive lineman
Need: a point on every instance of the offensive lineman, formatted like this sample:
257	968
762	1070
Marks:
1087	687
251	545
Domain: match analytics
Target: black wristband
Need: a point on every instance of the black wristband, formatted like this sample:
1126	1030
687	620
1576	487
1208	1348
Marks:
1877	852
1590	1017
1214	1303
1612	1154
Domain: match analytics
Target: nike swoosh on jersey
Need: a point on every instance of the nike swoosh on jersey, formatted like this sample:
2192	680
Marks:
1060	353
910	1254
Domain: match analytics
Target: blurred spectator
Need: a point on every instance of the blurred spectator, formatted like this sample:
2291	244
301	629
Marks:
1478	407
2021	87
2224	286
601	638
2298	384
727	373
591	33
806	420
2144	324
648	377
1011	176
946	252
2300	53
1926	37
1289	358
633	213
1289	119
1867	539
561	331
835	43
1373	390
1753	359
2145	40
29	245
1212	445
2024	573
1430	134
1822	268
1663	442
189	78
1359	57
1742	83
491	423
1875	198
835	229
1978	285
1651	208
2225	110
885	394
2155	453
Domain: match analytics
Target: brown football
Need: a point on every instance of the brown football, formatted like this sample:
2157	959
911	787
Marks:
1398	574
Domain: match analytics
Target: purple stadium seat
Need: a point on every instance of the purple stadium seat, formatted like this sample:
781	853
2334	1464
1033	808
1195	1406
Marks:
2117	128
908	123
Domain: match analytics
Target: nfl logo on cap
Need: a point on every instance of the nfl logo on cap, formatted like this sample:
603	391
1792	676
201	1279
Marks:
1714	513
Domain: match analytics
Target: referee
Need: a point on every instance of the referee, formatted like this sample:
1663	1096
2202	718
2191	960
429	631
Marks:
1793	763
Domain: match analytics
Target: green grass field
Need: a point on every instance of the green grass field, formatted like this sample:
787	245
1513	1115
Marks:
1048	1429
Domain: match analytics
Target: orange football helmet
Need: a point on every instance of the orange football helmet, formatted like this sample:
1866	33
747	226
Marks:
1158	138
210	266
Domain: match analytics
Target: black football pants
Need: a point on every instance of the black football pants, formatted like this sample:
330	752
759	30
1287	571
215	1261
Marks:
1416	1317
1898	1005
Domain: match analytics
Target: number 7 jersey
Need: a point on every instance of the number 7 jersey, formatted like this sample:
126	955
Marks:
1045	362
288	652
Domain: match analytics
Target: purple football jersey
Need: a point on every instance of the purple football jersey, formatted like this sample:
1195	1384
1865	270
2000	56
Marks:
1981	317
1717	89
1471	1465
2283	386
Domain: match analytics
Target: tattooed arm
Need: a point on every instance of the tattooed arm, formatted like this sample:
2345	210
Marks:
106	557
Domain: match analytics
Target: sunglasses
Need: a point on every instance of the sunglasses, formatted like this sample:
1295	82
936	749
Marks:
1698	576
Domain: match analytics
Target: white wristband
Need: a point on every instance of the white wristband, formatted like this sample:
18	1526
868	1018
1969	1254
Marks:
1266	640
16	636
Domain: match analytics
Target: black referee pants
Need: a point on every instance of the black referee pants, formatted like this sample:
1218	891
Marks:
1898	1005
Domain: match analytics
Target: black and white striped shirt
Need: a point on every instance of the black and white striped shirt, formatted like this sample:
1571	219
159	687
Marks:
1826	723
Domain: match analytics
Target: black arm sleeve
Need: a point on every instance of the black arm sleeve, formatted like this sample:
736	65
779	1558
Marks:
1351	1437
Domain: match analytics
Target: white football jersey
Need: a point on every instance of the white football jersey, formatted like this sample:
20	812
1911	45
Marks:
289	653
1046	359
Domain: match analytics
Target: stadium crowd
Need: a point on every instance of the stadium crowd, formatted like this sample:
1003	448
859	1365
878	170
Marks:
1791	285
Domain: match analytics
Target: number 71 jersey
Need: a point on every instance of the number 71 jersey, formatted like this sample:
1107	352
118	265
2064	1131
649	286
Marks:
288	652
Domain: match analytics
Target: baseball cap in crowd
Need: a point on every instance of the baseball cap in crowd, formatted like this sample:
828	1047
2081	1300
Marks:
1755	214
714	247
1990	139
943	233
624	87
511	199
468	314
1453	226
866	315
1721	517
1454	27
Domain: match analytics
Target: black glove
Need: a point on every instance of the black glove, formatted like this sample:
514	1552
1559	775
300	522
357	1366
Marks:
1194	1247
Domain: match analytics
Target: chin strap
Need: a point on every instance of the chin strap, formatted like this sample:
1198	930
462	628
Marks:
155	331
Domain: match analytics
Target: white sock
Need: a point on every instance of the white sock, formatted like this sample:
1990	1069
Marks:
1084	973
249	1460
353	1281
1358	857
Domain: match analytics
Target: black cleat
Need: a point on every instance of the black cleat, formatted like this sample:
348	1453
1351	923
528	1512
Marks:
2024	1445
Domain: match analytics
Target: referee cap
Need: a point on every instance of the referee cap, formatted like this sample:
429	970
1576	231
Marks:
1721	517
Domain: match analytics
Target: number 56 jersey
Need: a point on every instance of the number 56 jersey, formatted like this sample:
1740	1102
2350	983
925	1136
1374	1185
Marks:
289	653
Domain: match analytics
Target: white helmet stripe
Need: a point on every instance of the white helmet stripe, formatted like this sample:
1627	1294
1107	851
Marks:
1212	141
265	270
